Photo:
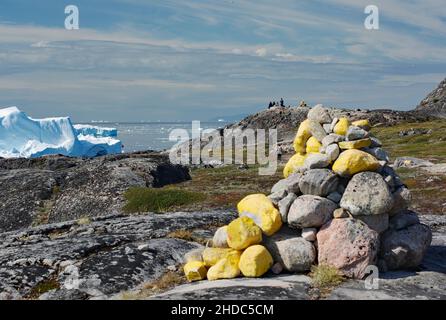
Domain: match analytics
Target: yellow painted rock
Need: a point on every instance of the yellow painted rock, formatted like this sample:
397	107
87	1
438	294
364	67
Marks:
212	255
313	145
356	144
195	271
303	134
259	208
226	268
353	161
341	127
297	161
243	232
363	124
255	261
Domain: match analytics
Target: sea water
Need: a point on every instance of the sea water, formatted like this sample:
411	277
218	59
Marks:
142	136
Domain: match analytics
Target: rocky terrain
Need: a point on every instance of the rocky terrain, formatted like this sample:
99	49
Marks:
57	188
435	102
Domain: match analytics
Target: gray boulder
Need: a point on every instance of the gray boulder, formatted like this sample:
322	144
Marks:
290	184
377	222
405	248
331	139
401	200
317	130
317	161
319	114
277	196
284	206
332	151
378	153
367	194
403	220
318	182
294	253
309	211
356	133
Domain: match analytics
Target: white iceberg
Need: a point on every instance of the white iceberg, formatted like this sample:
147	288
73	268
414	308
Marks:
95	131
24	137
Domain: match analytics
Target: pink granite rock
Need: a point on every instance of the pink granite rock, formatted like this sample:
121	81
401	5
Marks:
349	245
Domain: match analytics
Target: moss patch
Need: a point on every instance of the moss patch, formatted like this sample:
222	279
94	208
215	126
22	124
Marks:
159	200
43	287
325	278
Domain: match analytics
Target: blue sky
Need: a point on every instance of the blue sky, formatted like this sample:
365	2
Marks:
175	59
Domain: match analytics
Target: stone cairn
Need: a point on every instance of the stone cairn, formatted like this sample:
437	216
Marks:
340	205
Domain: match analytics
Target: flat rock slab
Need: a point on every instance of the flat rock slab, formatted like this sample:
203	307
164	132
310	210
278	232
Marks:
293	287
104	257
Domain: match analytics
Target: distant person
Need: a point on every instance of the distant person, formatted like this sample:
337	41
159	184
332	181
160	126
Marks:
282	102
270	105
303	104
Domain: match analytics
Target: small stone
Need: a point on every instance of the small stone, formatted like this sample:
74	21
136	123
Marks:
332	151
255	261
335	197
401	200
333	124
277	268
342	126
212	255
367	194
317	130
294	253
290	184
243	232
318	182
309	211
379	223
309	234
375	142
356	144
285	204
313	145
319	114
194	255
363	124
261	210
317	161
226	268
403	220
220	239
195	271
356	133
331	139
277	196
340	213
378	153
327	128
351	162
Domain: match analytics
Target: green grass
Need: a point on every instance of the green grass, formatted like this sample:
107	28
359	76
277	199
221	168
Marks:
427	146
325	277
159	200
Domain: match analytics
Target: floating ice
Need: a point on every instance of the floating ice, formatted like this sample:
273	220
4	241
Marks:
22	136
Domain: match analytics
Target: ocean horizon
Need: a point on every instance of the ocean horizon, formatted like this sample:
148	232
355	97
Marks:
142	136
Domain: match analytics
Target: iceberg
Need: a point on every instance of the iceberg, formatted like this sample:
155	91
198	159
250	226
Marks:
95	131
25	137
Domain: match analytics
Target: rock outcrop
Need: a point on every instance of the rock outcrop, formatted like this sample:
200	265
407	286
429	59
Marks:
435	102
56	188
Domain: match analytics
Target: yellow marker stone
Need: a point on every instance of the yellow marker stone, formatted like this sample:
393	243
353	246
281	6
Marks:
341	127
226	268
313	145
260	208
243	232
195	271
255	261
212	255
353	161
297	161
356	144
363	124
303	134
